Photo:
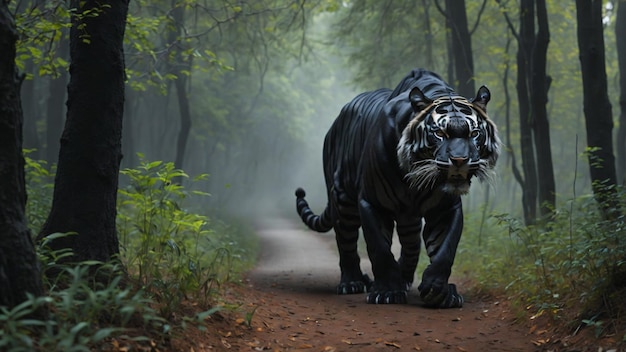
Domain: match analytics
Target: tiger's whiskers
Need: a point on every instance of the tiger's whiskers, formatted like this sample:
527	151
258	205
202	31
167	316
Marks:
423	175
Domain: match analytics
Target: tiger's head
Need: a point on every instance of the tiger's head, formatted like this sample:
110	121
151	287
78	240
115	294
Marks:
448	141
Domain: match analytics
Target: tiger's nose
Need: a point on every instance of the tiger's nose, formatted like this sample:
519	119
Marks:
459	161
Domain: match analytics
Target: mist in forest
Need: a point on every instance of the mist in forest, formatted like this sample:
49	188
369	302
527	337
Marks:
262	90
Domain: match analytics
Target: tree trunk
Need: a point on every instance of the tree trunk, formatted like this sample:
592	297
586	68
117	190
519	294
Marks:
56	108
620	34
461	47
525	44
85	187
19	269
428	37
185	120
597	107
179	65
540	83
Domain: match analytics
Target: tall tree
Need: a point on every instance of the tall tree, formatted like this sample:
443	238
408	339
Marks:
597	107
428	36
19	271
620	34
524	47
85	187
538	186
461	62
180	67
539	83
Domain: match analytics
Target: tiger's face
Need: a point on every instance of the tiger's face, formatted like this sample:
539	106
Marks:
448	141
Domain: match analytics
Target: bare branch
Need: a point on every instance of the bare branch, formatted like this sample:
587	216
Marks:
480	13
508	20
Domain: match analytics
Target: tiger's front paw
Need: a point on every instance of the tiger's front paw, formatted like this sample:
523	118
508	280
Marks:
453	299
441	297
387	297
353	287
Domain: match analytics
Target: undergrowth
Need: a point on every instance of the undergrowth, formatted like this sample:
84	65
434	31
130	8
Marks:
572	268
172	252
169	253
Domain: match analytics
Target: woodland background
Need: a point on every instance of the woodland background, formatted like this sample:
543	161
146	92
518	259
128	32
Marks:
261	84
239	95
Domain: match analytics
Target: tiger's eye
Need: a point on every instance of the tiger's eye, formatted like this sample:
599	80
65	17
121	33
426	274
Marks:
440	133
474	134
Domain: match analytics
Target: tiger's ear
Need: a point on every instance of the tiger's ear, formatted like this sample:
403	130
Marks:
482	98
418	100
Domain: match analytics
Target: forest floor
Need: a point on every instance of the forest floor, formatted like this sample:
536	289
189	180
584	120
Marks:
287	303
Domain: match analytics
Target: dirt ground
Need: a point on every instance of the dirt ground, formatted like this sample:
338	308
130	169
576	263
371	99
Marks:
288	303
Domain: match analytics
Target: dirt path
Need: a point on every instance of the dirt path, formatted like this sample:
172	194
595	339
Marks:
297	309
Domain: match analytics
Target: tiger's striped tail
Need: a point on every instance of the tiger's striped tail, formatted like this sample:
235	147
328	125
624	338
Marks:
319	223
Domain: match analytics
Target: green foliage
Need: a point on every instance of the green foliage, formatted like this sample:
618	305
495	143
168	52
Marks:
574	263
40	28
79	314
172	252
39	188
384	40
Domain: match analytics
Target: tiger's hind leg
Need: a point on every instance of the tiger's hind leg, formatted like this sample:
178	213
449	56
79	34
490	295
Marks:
346	226
352	278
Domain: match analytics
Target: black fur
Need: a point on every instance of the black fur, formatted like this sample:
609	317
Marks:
385	166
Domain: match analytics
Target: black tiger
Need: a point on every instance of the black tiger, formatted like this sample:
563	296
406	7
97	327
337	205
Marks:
403	158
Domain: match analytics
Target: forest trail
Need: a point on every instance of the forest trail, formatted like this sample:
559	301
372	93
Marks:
296	308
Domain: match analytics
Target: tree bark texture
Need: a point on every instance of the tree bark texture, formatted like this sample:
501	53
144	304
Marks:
428	37
597	107
540	83
179	65
128	143
19	268
620	34
461	47
525	43
85	188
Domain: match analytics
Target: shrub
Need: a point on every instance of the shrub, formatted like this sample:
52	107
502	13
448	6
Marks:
172	252
80	314
168	251
574	265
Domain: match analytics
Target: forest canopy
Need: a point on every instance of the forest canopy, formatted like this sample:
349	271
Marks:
244	91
